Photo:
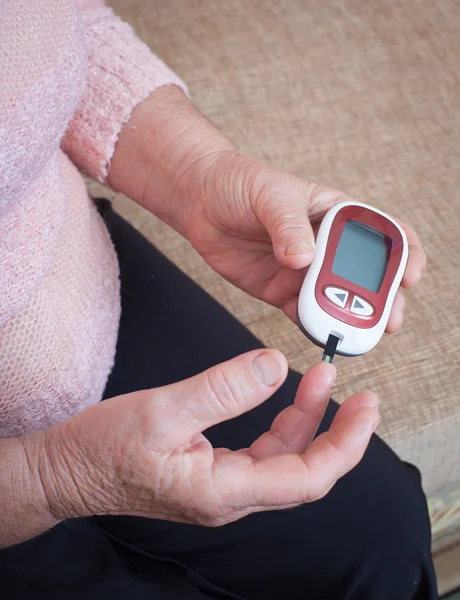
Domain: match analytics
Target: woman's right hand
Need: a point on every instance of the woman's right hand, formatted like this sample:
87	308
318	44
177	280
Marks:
144	453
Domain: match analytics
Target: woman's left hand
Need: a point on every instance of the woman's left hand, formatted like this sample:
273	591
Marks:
256	226
253	224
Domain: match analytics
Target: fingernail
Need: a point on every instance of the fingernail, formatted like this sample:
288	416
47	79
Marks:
267	368
299	247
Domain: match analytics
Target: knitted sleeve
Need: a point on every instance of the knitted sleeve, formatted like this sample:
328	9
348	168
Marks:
122	72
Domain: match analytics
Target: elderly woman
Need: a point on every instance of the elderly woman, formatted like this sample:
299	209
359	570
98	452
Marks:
170	489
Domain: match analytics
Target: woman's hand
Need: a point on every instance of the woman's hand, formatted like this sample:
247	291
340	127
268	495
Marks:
256	226
253	224
145	454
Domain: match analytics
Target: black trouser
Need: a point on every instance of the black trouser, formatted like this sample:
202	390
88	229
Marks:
368	538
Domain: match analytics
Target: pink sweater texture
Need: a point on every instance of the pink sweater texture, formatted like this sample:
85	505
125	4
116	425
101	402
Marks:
71	72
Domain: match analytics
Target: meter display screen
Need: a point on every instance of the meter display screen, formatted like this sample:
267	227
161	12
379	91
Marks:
362	255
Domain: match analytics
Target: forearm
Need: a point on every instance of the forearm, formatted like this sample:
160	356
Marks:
158	150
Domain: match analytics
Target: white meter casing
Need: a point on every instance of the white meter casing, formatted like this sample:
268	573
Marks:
349	289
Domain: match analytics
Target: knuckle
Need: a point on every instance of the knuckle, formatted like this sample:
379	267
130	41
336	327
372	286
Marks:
286	221
317	488
282	445
269	188
314	190
147	409
320	481
224	389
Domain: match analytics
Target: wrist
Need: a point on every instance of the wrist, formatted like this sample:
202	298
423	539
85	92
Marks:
29	486
55	474
42	478
161	154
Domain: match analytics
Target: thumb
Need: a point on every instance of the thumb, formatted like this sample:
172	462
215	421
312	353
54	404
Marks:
283	210
218	394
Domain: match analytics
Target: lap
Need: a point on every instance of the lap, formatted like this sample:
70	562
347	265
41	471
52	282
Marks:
178	330
368	538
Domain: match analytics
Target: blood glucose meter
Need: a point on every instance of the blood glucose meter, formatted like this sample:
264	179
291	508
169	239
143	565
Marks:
348	292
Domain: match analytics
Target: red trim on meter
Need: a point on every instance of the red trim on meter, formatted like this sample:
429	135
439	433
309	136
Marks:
327	278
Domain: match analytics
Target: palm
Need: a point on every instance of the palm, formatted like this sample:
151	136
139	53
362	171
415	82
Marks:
286	466
250	264
237	245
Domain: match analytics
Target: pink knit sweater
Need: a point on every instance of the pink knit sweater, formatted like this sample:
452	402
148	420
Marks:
70	74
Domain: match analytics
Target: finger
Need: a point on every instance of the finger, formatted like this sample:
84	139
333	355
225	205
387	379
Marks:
220	393
323	199
416	263
286	221
289	479
337	451
396	317
294	428
364	399
290	309
284	286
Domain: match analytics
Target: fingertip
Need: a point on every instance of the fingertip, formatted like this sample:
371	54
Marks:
369	399
395	322
296	260
411	279
407	283
360	400
329	370
318	379
396	318
416	267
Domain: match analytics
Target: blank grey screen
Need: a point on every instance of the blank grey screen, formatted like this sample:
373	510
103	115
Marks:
362	255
